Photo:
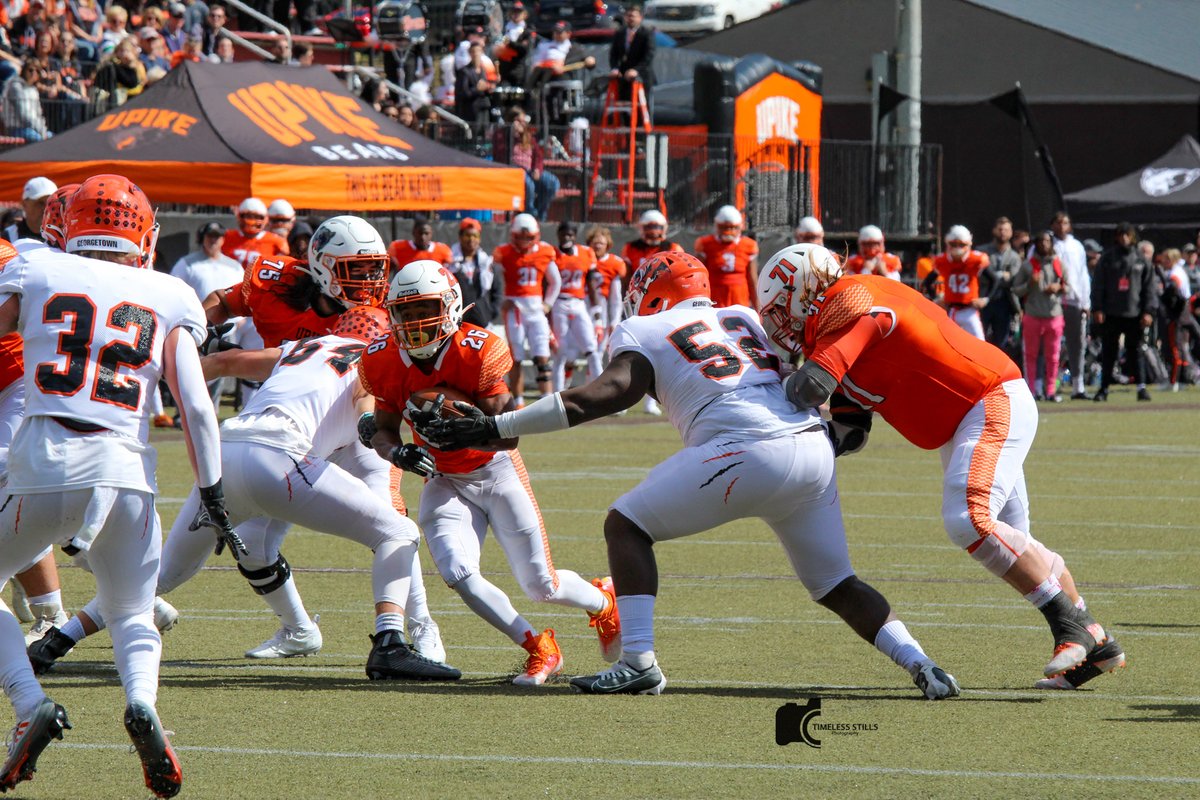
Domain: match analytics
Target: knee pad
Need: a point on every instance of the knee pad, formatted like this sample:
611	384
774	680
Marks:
1000	549
543	372
270	578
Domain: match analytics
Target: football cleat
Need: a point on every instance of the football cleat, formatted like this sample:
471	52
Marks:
165	615
1104	658
28	739
45	617
607	622
160	767
621	678
1076	634
652	407
545	659
934	682
20	603
289	643
426	638
45	652
391	658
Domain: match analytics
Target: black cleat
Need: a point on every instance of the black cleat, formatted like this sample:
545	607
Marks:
391	658
1105	658
160	767
46	651
1076	635
29	738
1101	396
1143	396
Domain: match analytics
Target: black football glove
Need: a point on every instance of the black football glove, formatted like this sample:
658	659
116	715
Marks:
455	433
849	426
212	514
367	428
421	415
413	458
215	342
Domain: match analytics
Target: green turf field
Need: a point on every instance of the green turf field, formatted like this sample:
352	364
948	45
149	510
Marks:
1112	489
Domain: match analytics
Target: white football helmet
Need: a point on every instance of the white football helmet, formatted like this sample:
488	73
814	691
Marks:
280	214
787	286
958	242
252	216
810	230
425	307
348	261
524	231
653	225
729	223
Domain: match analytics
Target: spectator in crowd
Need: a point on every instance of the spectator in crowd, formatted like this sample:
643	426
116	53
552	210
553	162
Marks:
175	33
462	53
1001	315
482	286
391	111
67	64
872	258
189	52
115	20
518	146
406	116
1182	329
631	54
23	31
1076	302
811	231
281	52
1123	304
473	89
21	105
154	17
426	122
421	246
552	57
1191	265
224	52
195	16
84	22
298	239
1020	242
154	51
374	93
1040	282
210	32
208	269
10	63
33	204
1092	250
121	74
303	53
512	50
304	22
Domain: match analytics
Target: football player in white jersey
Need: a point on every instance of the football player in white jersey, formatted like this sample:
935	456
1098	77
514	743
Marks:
276	453
98	336
748	453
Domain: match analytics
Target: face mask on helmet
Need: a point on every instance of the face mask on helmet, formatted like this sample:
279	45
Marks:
348	261
422	323
53	218
870	249
362	280
787	286
957	250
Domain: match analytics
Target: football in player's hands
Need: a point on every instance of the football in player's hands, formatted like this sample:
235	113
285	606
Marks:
436	401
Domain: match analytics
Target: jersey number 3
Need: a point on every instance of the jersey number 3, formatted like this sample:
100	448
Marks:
109	386
718	360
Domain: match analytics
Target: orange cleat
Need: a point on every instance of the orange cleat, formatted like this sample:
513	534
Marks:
545	659
607	622
163	421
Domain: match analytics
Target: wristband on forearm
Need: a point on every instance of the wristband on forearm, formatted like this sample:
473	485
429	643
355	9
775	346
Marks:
545	416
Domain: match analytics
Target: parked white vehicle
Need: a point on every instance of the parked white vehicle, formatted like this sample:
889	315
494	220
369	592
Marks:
702	16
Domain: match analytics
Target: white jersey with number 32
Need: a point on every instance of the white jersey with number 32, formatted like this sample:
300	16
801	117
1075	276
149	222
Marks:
94	334
714	372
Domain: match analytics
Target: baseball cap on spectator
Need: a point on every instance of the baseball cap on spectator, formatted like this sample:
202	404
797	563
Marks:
177	9
469	224
211	229
38	188
1188	248
147	33
562	25
517	6
1092	246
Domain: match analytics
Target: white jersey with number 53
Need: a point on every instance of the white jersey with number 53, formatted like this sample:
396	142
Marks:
714	372
94	334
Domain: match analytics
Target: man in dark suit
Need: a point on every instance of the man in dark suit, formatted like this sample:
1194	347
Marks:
632	53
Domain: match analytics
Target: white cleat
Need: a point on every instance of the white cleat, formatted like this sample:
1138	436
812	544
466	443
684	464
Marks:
426	638
46	617
165	615
934	682
289	643
652	407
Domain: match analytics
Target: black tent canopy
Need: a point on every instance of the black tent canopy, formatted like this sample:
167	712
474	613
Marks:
1164	193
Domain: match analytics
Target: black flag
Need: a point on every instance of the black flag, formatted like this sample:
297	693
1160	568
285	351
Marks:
889	99
1013	104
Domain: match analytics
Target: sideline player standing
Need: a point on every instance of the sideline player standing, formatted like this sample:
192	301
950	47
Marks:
876	345
959	267
569	317
747	453
653	227
528	263
251	241
731	259
431	346
98	337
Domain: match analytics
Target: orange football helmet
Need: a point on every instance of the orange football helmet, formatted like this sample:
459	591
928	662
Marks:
663	281
52	217
365	323
110	213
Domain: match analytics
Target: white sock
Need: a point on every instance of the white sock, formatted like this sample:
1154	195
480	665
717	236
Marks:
416	608
92	609
287	605
637	627
137	649
574	591
390	568
493	606
1046	591
895	642
73	630
1080	604
389	621
48	599
16	675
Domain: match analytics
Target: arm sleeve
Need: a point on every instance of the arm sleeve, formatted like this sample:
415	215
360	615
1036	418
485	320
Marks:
614	301
553	283
196	411
837	351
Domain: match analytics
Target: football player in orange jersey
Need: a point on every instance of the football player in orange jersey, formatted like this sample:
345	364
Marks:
875	345
420	246
653	226
281	218
251	241
959	268
810	230
569	317
731	259
871	258
531	285
431	346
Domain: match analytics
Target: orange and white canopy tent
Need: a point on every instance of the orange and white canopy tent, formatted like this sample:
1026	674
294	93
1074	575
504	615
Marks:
218	133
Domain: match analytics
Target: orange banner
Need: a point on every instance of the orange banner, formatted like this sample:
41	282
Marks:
770	119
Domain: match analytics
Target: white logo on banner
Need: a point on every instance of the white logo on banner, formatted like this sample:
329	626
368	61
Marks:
777	118
1161	182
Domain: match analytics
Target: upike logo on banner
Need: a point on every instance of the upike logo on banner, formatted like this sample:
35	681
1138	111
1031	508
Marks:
294	115
777	118
1160	182
140	126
